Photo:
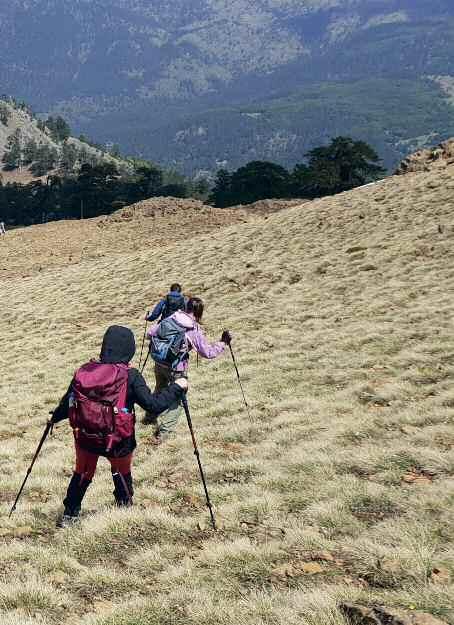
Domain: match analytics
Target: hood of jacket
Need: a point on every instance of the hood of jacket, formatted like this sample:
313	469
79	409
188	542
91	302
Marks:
118	345
184	319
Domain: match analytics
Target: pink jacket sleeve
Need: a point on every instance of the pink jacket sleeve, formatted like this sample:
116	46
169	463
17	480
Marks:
198	341
152	331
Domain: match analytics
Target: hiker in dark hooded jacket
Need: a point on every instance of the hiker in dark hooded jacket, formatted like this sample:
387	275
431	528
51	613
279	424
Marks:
118	348
173	301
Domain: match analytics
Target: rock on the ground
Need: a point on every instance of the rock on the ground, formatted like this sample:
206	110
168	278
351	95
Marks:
380	615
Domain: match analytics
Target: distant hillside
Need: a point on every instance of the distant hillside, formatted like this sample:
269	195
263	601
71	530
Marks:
35	142
396	116
158	77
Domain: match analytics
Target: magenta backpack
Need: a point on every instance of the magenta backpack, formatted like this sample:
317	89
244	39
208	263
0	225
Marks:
97	408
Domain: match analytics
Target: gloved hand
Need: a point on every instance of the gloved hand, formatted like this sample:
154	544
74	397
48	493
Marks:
226	337
147	315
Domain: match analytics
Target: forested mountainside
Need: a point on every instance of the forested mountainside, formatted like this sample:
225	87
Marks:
157	75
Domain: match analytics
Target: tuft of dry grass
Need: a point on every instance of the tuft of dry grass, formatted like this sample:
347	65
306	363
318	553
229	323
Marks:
340	485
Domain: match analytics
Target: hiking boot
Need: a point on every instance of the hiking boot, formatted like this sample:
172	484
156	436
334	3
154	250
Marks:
67	520
123	489
77	488
156	440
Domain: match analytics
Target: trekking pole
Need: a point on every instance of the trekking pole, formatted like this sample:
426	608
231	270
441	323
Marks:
184	401
145	362
239	380
47	429
143	341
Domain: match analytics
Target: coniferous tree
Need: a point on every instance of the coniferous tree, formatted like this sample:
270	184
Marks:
45	159
174	189
221	193
30	151
259	180
5	114
342	165
201	189
149	179
59	128
13	153
69	156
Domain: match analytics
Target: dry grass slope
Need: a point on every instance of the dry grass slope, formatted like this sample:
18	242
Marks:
151	223
340	487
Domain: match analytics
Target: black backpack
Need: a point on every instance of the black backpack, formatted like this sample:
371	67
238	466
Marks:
173	302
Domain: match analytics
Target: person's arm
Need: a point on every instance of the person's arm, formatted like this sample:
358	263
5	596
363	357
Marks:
61	412
152	331
153	402
207	350
157	311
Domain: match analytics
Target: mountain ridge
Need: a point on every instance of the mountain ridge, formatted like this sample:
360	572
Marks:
158	63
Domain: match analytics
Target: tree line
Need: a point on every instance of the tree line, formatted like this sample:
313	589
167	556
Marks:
98	187
340	166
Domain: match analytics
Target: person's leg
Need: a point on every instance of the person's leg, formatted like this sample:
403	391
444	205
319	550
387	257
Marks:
169	419
162	377
122	479
77	487
86	463
161	381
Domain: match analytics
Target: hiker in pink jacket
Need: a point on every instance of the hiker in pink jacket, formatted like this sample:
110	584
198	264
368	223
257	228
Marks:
165	374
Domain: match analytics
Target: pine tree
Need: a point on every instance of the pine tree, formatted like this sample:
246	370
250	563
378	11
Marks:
259	180
59	128
30	151
5	114
342	165
45	160
13	153
69	156
222	190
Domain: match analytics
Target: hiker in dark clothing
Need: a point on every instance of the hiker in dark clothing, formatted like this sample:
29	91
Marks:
173	301
117	351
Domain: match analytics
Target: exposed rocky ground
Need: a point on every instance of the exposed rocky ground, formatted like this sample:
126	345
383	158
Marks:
431	158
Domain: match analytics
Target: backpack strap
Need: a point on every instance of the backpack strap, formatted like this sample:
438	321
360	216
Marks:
123	394
166	309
